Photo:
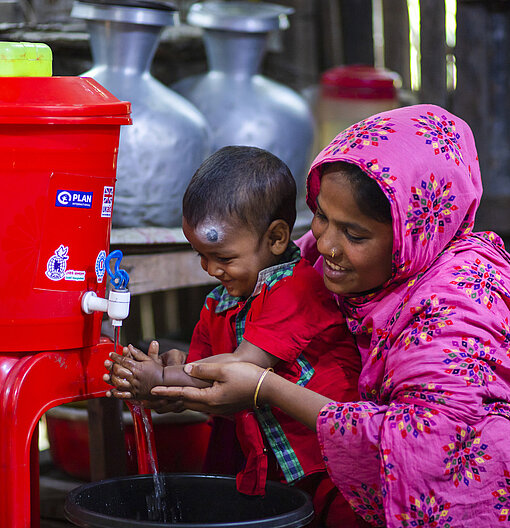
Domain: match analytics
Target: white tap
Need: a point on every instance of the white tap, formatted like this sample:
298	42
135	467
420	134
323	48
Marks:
116	306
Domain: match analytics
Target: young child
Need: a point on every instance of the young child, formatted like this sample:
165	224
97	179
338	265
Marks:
271	309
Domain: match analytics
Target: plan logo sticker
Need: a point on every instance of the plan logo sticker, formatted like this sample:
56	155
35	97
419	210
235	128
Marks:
106	210
79	199
56	265
100	265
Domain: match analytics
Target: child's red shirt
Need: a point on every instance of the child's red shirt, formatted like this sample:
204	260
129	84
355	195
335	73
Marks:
292	316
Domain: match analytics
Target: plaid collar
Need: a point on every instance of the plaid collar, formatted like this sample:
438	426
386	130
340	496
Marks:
267	276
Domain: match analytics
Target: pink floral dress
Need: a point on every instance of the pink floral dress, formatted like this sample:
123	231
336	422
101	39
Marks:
429	444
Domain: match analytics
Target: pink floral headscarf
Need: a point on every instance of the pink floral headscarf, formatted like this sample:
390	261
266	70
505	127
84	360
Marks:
432	427
425	161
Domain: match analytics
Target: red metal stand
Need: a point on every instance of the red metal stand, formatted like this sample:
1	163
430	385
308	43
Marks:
30	385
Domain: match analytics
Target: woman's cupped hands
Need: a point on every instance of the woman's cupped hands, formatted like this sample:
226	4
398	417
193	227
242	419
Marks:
233	387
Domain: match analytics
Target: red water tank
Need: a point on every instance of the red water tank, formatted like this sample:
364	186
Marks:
59	138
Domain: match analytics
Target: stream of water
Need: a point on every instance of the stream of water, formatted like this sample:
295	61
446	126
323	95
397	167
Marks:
156	504
163	505
158	508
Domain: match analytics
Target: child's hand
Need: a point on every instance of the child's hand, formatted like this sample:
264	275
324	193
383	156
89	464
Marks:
173	357
167	358
117	376
135	372
153	352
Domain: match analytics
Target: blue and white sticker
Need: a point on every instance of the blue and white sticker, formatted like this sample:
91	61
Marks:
56	265
100	265
106	209
80	199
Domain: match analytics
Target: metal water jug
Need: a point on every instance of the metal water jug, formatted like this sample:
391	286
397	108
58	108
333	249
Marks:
242	106
169	137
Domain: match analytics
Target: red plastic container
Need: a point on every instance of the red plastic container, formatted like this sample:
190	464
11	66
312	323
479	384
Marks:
360	82
351	93
59	139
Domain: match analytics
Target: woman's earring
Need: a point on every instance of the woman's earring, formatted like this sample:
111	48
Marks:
333	253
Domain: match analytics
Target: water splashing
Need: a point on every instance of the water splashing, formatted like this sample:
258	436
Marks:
161	501
156	504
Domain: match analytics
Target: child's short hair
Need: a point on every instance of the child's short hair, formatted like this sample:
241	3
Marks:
247	183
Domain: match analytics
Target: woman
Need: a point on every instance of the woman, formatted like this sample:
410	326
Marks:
427	300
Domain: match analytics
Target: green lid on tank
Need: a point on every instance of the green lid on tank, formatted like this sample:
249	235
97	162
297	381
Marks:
25	59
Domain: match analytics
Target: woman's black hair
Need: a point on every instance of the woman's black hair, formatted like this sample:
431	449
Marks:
241	184
369	197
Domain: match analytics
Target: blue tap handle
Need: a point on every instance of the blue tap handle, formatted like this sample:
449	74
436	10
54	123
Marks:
118	277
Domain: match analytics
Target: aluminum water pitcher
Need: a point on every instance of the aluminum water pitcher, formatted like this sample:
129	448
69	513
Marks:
169	137
242	106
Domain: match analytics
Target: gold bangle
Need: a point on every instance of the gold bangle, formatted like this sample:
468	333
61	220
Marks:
259	384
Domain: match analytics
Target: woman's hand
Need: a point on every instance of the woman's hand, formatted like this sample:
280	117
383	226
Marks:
233	388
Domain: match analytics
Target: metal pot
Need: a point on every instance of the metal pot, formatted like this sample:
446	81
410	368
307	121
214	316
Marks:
169	137
241	106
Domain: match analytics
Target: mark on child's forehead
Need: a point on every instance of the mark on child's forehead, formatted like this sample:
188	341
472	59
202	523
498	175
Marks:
211	231
212	235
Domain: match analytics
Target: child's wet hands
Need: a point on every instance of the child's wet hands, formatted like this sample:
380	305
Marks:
153	351
168	358
173	357
120	377
135	371
132	352
109	363
120	368
121	395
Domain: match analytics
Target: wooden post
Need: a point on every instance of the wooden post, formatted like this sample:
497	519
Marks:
357	31
470	98
147	317
433	52
296	64
106	438
331	47
396	39
482	100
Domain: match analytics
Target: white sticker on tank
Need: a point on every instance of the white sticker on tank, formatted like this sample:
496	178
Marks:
100	265
74	275
56	267
57	263
106	209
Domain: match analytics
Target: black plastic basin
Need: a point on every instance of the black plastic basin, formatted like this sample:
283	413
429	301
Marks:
191	501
